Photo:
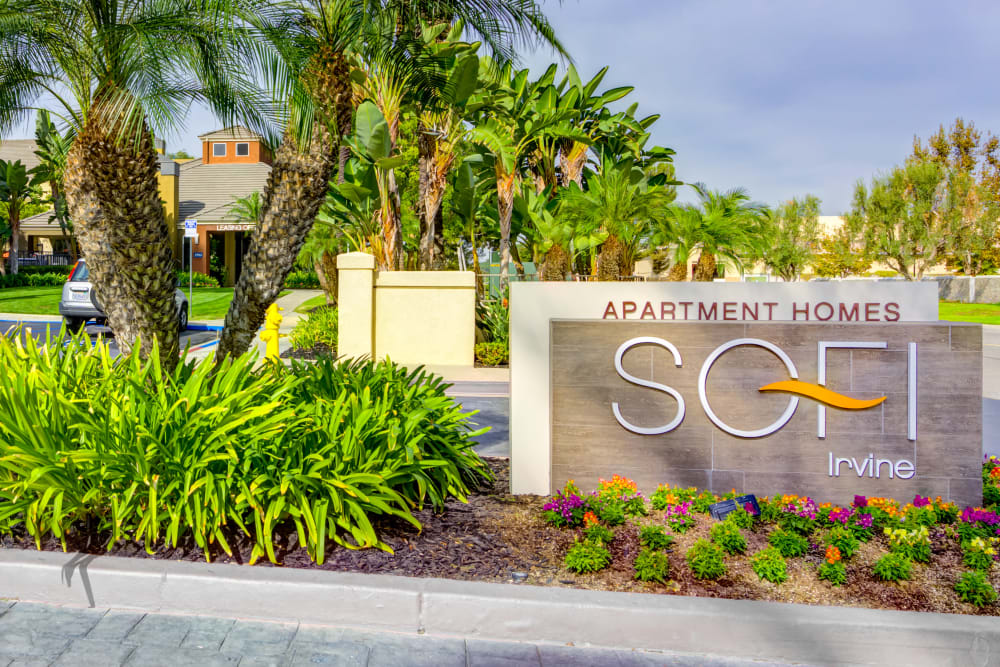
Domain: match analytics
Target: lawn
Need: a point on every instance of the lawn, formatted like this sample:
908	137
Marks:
210	303
314	302
983	313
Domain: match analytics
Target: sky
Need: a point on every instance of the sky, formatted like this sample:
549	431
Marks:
783	98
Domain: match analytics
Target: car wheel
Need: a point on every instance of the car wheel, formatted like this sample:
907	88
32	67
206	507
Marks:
74	324
182	320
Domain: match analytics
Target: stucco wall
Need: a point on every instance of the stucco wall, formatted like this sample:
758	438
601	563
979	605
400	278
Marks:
958	288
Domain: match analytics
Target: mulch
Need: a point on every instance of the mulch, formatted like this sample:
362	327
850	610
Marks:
498	537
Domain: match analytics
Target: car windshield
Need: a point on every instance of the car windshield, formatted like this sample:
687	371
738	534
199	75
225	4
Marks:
81	273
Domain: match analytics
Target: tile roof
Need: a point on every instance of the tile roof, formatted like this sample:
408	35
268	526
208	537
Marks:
20	149
207	191
233	132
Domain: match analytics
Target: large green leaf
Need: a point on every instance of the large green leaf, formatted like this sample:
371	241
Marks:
371	131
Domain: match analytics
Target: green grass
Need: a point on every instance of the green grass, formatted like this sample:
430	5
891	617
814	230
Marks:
306	306
210	303
983	313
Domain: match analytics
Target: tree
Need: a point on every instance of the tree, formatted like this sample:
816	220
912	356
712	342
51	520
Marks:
725	224
840	255
52	150
180	155
310	67
621	203
791	233
17	191
247	209
902	217
119	69
972	164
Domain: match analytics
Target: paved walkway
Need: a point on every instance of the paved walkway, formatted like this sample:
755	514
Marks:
39	634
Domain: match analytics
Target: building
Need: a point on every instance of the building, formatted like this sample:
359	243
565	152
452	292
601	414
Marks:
234	163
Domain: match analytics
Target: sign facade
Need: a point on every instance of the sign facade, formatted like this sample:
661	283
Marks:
534	370
825	410
190	229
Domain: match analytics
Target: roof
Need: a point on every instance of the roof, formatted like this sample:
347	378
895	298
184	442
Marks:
207	191
39	221
20	149
230	133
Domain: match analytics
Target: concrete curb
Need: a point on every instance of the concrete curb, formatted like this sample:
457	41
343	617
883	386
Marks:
745	629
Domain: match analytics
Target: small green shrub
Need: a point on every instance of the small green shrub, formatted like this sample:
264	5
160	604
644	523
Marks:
651	565
609	510
492	354
184	279
991	495
729	537
844	540
892	567
915	543
978	553
32	280
741	518
599	534
655	537
302	280
494	320
703	501
835	573
770	565
58	269
791	545
974	588
706	560
318	330
584	557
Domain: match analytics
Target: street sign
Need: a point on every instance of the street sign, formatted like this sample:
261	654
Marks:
190	229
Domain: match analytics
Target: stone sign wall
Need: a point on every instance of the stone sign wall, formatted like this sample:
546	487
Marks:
875	409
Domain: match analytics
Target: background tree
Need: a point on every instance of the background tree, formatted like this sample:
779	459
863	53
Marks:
791	237
840	255
902	217
52	150
247	209
17	191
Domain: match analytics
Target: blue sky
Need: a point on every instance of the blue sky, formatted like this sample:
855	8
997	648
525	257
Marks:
781	97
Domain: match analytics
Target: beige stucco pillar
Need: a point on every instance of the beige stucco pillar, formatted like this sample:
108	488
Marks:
356	303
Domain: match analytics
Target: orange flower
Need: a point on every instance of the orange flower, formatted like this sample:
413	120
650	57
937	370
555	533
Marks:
590	519
995	473
832	554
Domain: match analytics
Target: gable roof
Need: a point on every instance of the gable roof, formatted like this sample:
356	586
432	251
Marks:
207	191
20	149
229	133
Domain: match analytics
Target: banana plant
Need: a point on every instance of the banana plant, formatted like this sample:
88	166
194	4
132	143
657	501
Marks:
552	235
472	202
16	190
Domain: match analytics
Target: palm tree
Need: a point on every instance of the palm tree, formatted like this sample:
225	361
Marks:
119	69
620	204
52	149
16	190
247	209
725	224
309	63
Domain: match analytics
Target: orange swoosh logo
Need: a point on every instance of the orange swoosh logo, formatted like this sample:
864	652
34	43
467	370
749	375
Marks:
821	394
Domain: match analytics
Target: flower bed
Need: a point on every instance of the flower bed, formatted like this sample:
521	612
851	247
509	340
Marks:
923	555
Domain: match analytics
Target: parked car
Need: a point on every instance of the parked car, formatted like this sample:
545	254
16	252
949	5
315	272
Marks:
79	304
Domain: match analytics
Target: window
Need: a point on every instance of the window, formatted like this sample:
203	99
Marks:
242	150
219	150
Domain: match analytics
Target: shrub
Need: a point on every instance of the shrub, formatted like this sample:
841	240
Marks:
679	517
197	453
845	542
798	514
317	331
494	320
302	280
915	544
655	537
974	588
599	534
200	279
651	565
769	565
584	557
741	518
789	544
701	502
729	537
624	491
60	269
978	553
609	510
706	560
835	573
32	280
566	508
492	354
892	567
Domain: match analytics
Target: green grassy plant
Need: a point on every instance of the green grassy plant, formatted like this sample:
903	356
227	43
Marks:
893	567
651	565
975	588
769	565
790	544
844	540
835	573
706	560
492	354
584	557
140	453
729	537
655	537
319	327
599	534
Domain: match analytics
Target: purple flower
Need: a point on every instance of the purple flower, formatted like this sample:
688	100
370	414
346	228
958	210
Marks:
840	516
863	520
860	501
921	502
985	517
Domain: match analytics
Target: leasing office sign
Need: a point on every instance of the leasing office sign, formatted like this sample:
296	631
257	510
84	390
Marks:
822	409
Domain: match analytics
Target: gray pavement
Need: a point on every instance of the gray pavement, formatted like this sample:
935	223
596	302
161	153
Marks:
491	400
42	634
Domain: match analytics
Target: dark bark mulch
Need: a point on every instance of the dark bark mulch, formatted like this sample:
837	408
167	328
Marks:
310	353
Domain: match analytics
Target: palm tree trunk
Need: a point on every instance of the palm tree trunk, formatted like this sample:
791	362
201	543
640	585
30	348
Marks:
14	233
425	167
295	190
114	201
609	261
704	271
556	263
505	209
515	254
678	272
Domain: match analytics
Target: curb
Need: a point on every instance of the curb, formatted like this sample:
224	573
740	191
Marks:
440	607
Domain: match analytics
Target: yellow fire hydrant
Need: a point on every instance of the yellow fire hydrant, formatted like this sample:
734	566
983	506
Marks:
270	335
